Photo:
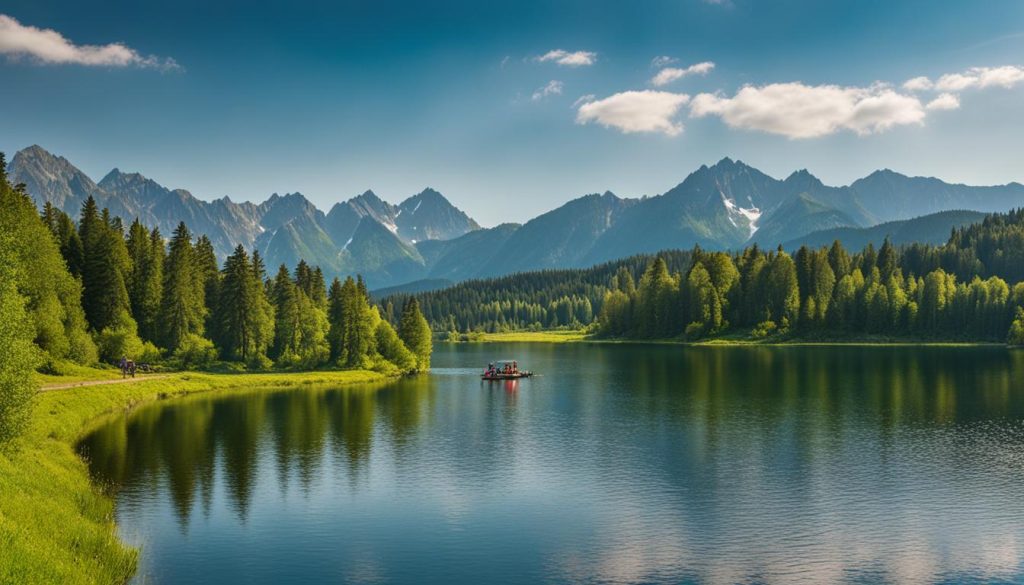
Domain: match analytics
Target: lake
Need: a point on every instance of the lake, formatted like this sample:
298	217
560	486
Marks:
617	464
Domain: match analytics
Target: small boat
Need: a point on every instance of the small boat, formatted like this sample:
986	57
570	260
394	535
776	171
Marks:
507	370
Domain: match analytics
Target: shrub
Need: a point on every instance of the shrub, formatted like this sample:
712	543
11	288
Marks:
763	329
195	352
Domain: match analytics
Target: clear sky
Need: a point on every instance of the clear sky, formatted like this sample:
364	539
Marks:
512	107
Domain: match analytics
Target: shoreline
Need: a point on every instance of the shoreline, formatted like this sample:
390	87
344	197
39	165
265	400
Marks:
56	526
581	337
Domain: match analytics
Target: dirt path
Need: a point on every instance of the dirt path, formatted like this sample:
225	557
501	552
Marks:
50	387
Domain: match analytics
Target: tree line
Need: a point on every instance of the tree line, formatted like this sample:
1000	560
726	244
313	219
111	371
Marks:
826	293
957	291
92	290
545	299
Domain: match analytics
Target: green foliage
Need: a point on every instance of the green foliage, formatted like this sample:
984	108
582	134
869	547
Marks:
1016	335
300	326
183	307
119	339
245	324
392	349
415	334
195	352
53	296
18	356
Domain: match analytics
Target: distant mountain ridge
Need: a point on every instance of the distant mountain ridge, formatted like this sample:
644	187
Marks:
724	206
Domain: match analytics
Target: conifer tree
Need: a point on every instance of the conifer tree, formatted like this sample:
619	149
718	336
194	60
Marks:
145	279
245	317
415	333
182	310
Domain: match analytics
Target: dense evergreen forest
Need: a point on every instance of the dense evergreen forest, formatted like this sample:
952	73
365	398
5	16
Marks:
96	291
957	291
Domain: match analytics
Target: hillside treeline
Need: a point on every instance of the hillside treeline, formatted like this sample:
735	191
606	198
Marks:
967	289
96	290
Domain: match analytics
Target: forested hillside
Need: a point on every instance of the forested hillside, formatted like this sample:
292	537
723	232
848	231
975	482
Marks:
97	289
545	299
969	288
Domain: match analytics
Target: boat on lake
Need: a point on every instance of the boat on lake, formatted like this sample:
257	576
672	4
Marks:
506	370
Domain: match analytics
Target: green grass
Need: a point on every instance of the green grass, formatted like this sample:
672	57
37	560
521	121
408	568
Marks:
71	373
55	526
558	336
732	338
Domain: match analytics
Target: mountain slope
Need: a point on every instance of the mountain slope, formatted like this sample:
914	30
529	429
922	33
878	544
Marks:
888	195
429	216
928	229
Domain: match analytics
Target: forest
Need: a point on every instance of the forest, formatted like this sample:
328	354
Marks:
959	291
93	291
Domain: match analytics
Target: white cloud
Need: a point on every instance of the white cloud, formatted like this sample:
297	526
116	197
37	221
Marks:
796	110
574	59
48	46
946	101
670	74
663	61
636	111
918	84
554	87
583	99
981	78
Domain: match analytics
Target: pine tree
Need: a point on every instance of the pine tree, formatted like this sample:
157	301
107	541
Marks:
145	279
415	333
182	309
209	275
336	319
245	317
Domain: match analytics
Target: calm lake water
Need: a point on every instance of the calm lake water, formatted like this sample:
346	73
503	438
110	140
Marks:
619	464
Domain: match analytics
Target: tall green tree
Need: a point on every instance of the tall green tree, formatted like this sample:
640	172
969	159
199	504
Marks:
246	318
104	268
53	295
18	356
145	279
414	331
183	308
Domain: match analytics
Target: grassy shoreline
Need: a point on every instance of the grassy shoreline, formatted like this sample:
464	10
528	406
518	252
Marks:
55	526
725	341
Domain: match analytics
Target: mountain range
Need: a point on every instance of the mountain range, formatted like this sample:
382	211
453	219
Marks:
724	206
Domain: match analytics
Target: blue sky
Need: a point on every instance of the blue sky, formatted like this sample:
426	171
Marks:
332	98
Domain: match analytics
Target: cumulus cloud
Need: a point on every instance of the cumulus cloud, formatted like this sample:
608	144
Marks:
918	84
670	74
554	87
48	46
981	78
946	101
573	59
636	111
796	110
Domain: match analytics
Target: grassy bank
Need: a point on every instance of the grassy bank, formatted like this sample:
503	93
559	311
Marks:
732	339
558	336
55	526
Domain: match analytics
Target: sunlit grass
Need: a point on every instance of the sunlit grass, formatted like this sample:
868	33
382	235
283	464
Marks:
558	336
55	526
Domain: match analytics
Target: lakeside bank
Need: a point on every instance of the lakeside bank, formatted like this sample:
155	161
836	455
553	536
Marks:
580	336
55	525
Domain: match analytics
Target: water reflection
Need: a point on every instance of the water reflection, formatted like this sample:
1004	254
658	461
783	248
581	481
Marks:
617	465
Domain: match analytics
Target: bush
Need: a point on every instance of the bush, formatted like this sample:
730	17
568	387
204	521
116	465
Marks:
454	337
1016	335
695	330
117	342
763	329
195	352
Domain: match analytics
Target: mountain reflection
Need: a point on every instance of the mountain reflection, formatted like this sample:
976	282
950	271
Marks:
618	464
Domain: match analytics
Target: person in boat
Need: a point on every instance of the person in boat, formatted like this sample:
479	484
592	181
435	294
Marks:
515	367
